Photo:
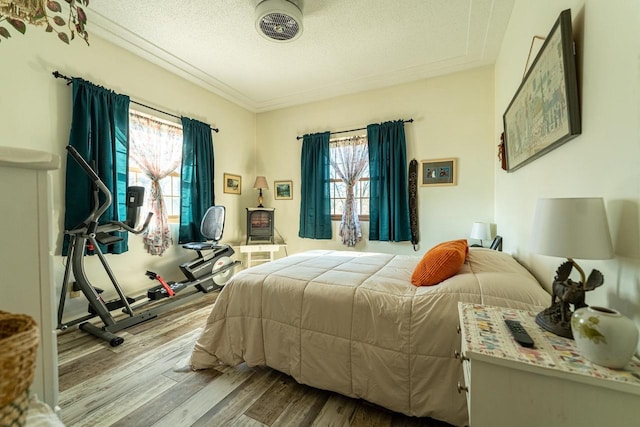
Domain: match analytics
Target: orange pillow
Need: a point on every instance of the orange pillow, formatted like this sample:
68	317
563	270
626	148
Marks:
440	262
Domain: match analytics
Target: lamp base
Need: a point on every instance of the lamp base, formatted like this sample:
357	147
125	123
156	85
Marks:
567	293
551	320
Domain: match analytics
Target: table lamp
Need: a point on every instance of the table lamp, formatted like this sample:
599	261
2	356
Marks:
481	231
570	228
261	182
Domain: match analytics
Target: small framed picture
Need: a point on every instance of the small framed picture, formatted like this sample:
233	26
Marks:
438	172
232	183
283	190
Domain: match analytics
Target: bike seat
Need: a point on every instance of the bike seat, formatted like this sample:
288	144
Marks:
200	246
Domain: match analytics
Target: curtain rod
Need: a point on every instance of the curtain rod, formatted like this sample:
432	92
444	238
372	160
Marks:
354	130
58	75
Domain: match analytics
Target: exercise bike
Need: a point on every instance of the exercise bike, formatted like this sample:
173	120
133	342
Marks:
213	266
205	273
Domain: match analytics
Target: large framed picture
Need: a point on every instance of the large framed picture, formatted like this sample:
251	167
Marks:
438	172
283	190
232	183
545	112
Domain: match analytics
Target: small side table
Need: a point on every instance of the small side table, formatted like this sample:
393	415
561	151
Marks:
548	385
267	250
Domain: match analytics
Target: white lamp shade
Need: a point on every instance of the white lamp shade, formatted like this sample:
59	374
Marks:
481	231
571	228
261	183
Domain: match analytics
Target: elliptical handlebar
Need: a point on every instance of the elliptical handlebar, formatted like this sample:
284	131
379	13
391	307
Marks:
92	221
133	230
97	211
82	163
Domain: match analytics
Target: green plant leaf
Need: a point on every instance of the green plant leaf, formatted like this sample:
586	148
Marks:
58	20
39	14
17	24
69	1
64	37
54	6
49	28
82	17
4	32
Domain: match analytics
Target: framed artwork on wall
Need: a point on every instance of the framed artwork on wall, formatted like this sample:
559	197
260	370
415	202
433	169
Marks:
232	183
283	190
545	112
438	172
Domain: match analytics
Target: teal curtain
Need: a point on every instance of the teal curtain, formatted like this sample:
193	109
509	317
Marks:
315	200
389	201
196	189
100	133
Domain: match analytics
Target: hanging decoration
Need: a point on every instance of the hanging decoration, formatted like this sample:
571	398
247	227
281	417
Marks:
156	149
413	203
350	162
48	13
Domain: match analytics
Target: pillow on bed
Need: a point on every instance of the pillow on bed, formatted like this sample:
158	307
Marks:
440	262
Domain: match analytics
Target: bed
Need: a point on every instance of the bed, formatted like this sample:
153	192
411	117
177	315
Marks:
352	322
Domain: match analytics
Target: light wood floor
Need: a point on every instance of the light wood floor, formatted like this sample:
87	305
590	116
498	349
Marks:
135	385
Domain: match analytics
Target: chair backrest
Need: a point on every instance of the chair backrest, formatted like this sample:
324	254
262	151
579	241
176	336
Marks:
212	225
496	245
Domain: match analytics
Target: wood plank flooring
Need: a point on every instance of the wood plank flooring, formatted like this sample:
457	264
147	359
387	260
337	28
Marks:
135	385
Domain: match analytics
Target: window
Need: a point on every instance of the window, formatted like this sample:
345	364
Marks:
346	161
170	188
156	149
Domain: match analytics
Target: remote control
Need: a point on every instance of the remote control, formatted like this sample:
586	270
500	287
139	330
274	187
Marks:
519	333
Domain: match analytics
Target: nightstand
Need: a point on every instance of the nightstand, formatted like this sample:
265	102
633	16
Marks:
267	250
548	385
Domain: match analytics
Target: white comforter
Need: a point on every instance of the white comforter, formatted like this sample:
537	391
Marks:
352	323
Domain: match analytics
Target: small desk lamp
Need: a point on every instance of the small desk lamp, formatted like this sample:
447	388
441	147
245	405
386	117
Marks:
571	228
481	231
261	182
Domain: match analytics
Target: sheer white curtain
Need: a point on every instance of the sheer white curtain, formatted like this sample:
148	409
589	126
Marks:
156	148
349	159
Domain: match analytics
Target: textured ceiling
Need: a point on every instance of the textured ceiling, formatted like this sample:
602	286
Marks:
347	46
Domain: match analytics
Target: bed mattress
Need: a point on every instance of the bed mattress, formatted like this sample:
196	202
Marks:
352	322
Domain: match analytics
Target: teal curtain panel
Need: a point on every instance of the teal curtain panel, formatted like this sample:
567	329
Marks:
389	201
315	197
196	190
100	133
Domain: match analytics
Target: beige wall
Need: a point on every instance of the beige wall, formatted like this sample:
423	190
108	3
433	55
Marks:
602	161
453	118
35	113
459	115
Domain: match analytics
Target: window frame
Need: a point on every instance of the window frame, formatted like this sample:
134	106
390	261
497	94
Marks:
172	219
338	217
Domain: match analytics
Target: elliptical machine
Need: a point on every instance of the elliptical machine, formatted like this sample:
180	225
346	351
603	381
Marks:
208	272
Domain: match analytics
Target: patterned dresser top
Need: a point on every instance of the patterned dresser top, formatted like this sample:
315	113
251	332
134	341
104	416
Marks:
487	334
